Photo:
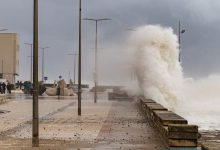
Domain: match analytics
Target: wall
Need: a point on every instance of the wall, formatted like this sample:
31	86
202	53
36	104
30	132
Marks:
9	56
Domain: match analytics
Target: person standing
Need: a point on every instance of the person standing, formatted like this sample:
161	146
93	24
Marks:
20	84
3	87
9	88
17	84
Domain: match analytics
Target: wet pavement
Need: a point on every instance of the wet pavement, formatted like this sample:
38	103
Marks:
104	125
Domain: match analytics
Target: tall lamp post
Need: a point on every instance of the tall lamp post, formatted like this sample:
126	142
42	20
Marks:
79	67
181	31
43	48
96	54
31	45
35	123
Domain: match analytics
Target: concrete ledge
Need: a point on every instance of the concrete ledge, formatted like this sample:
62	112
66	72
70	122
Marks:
174	129
168	117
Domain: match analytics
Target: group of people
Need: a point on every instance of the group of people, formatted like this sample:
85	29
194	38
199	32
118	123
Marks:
4	86
19	84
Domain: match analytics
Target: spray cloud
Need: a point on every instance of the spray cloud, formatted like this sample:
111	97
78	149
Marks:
156	64
159	76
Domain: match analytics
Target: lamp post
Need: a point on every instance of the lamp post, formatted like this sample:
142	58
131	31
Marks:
74	75
181	31
35	123
96	54
43	48
79	67
31	45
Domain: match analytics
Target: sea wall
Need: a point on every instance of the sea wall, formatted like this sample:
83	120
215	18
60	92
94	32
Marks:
174	129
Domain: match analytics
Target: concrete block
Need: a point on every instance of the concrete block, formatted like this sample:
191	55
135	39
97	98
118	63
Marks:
168	117
173	128
182	143
147	101
182	128
183	135
155	106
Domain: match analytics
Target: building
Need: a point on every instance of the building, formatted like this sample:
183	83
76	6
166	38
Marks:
9	56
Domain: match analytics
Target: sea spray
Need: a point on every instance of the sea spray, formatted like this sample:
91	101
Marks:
156	64
201	102
159	77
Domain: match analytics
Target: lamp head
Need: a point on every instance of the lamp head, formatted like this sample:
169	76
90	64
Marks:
183	31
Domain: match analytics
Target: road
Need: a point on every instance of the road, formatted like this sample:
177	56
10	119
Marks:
105	125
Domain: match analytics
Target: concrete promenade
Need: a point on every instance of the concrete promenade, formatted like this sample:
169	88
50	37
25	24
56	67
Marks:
105	125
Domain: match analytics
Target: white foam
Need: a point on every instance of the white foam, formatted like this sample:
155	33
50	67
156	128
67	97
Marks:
159	76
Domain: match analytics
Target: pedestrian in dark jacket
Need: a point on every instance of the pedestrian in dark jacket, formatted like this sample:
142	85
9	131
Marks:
9	88
3	87
20	85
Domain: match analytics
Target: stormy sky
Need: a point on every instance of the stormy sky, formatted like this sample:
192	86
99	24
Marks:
58	29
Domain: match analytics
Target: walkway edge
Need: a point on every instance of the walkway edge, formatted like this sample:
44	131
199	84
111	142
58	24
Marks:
174	129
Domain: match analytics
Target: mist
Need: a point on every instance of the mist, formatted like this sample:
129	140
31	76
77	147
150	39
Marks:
160	77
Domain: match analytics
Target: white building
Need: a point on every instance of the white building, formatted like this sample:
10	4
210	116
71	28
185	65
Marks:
9	56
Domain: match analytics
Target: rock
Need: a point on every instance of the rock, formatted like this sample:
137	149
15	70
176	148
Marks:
66	92
51	91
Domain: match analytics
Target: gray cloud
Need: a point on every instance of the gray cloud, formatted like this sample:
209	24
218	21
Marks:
58	24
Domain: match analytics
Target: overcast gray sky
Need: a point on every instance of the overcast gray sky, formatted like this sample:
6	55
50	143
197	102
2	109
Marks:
58	29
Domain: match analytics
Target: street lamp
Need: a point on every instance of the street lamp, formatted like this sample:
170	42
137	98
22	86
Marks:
31	45
181	31
79	67
35	123
74	81
43	48
96	54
